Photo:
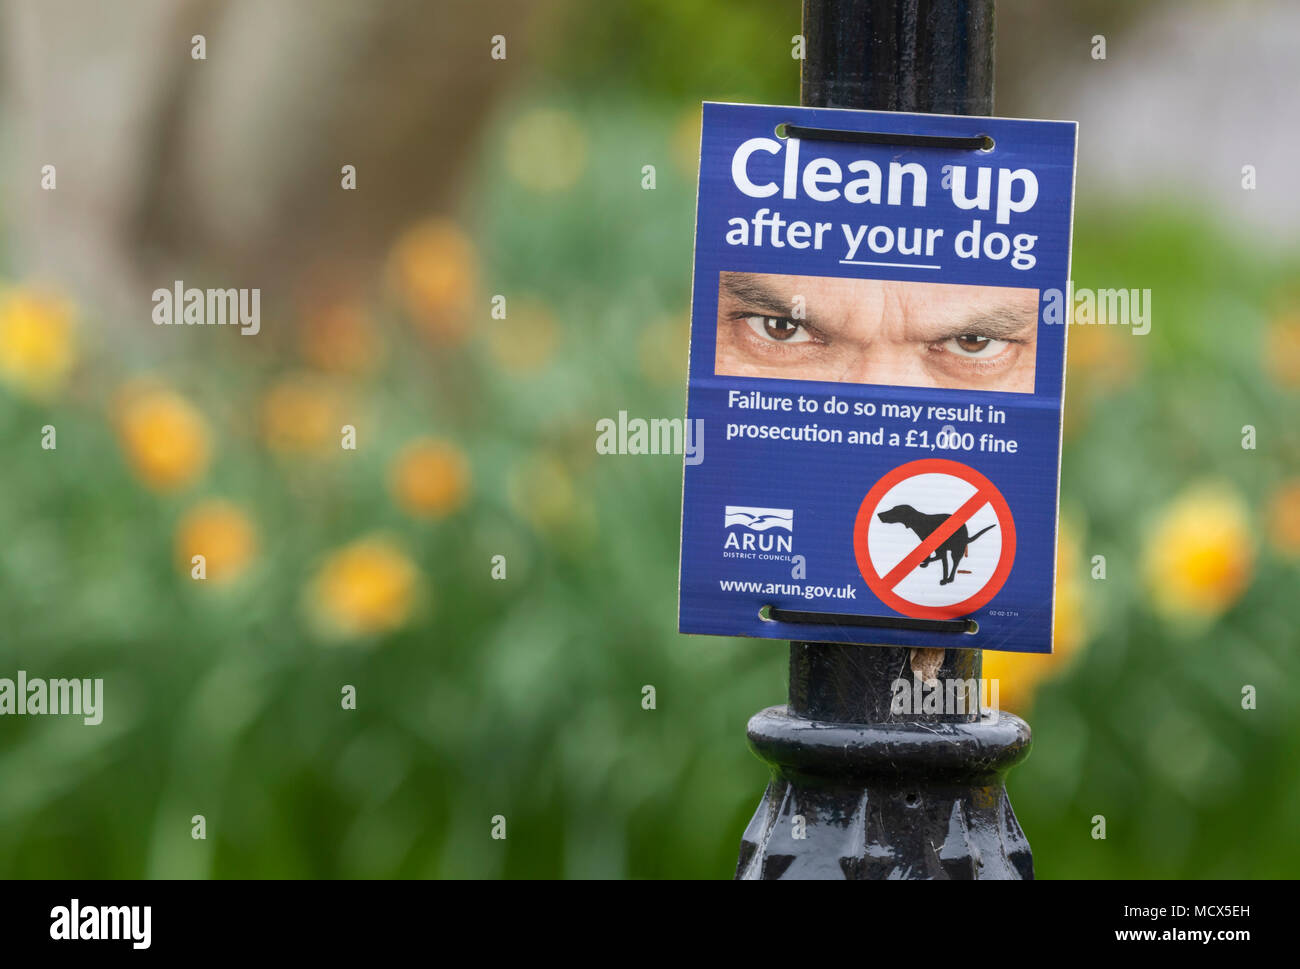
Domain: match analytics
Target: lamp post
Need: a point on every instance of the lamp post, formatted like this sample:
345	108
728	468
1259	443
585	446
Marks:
859	791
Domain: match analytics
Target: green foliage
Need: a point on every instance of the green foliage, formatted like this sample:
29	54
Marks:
522	697
680	50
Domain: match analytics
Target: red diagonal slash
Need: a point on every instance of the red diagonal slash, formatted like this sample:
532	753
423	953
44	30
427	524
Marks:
936	538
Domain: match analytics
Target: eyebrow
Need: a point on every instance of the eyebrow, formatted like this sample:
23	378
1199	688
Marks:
1003	322
749	288
999	323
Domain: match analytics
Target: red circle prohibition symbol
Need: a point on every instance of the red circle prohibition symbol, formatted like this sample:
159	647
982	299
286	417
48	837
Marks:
986	493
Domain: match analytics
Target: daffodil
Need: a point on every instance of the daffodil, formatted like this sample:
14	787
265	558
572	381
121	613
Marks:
429	478
433	268
165	439
1198	556
220	532
37	345
366	588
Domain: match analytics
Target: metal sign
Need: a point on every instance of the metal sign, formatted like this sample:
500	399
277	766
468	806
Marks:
878	365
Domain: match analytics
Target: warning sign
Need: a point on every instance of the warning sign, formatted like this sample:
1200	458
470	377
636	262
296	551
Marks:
934	539
877	361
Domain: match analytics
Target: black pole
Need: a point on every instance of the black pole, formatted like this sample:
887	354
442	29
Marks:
899	55
857	790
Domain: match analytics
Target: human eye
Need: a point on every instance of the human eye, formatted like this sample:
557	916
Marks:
960	357
974	346
778	329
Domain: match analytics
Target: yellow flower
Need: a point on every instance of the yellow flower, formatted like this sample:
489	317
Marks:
165	439
36	341
300	415
1282	350
365	588
525	340
222	534
340	338
545	150
433	268
1019	674
1198	556
1284	518
429	478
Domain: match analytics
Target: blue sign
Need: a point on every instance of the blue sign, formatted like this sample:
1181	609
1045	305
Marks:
877	360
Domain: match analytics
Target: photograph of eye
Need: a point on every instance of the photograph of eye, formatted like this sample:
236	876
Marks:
874	331
778	328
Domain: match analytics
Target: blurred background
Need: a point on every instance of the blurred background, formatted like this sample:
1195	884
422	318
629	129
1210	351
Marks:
522	696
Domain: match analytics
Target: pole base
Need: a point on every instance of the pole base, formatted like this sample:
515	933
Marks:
885	801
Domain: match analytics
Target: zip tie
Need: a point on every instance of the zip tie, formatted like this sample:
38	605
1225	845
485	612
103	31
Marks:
775	614
981	142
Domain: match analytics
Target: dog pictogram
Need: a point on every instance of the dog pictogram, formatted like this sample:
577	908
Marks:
892	560
956	547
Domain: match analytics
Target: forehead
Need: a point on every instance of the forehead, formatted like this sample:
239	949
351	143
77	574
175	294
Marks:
834	295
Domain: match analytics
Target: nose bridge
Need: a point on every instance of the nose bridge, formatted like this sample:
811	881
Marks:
885	361
881	354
